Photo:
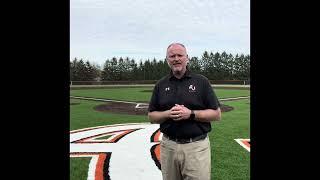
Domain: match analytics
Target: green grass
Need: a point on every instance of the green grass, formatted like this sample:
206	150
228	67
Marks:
229	159
227	93
137	95
129	94
103	137
83	116
79	167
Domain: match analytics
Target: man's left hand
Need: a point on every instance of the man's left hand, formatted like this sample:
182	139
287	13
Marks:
182	111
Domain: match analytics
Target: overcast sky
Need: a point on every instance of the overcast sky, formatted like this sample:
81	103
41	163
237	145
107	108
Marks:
141	29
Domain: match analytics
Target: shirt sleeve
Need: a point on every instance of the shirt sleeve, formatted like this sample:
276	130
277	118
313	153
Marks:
211	100
154	104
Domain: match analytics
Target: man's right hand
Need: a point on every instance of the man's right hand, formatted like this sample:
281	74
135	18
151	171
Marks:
179	112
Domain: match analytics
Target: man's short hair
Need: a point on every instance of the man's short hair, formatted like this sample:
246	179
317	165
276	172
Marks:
175	44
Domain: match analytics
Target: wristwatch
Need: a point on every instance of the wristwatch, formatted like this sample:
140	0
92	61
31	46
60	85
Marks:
192	116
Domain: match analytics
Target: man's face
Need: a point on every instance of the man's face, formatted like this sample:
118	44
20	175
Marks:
177	58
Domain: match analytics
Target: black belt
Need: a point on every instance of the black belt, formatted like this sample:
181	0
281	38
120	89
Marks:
186	140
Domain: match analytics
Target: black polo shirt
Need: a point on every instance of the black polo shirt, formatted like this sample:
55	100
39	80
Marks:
194	92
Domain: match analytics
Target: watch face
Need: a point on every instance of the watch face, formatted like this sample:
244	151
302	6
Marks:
192	115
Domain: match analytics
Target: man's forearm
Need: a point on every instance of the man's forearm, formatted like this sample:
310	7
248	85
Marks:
207	115
158	117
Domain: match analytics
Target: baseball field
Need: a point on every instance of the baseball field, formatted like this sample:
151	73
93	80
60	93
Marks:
111	137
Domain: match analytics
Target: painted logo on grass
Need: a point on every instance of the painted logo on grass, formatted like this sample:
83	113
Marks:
245	143
120	151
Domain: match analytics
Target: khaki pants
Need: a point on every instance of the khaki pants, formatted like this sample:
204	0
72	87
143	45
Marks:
191	161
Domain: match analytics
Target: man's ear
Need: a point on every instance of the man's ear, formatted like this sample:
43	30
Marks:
167	61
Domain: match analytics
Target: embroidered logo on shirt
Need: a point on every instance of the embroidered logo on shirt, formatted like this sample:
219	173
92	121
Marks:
167	89
192	88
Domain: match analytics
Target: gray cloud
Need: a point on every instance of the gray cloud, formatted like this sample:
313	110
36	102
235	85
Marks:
102	29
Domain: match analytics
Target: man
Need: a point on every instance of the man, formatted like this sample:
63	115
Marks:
184	104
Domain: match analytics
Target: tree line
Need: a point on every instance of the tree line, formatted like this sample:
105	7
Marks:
215	66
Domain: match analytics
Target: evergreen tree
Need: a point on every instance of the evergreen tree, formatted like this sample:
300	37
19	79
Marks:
215	66
73	69
141	71
204	62
121	69
106	70
147	70
194	65
135	71
80	71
